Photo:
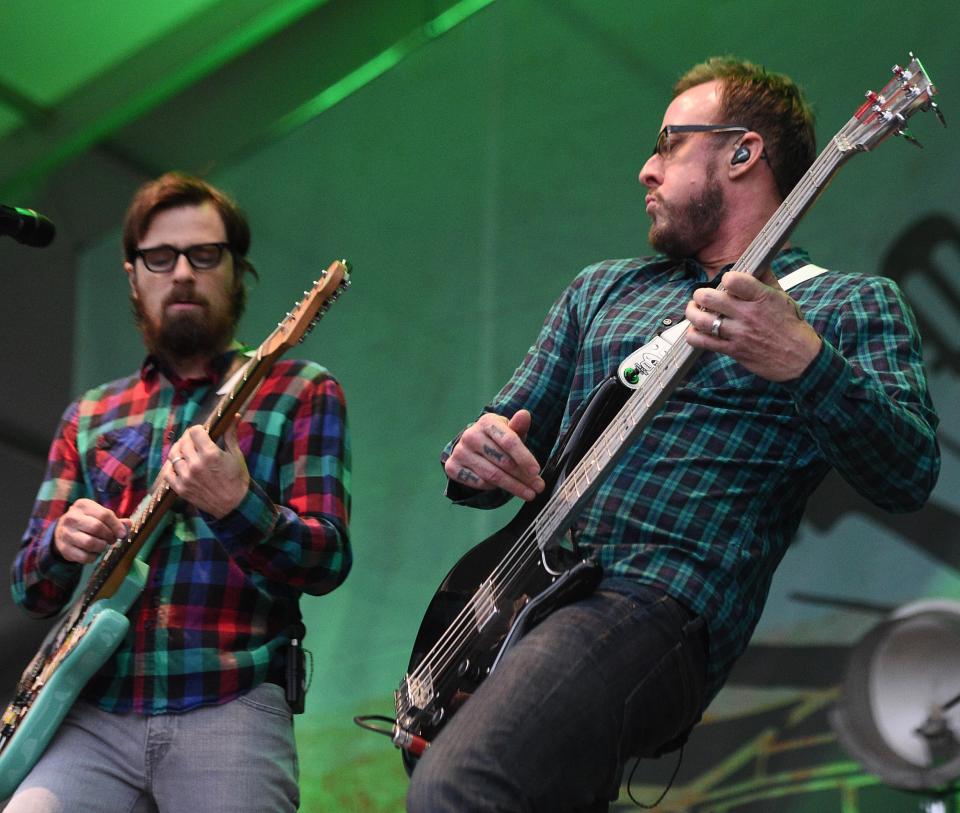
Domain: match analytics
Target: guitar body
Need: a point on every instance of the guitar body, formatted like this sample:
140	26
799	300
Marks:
40	713
474	621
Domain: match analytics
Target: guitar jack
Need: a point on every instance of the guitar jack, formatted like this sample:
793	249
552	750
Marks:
400	737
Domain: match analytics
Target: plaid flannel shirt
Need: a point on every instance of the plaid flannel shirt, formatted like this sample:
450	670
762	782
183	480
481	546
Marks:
210	624
706	501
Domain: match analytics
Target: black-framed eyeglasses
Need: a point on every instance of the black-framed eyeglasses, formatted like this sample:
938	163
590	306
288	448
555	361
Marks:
163	259
663	145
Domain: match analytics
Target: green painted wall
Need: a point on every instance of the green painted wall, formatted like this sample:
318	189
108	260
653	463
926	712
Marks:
467	186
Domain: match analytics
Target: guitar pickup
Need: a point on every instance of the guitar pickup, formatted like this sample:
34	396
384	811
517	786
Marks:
484	604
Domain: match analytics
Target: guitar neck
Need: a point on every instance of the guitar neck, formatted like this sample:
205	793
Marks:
113	567
643	405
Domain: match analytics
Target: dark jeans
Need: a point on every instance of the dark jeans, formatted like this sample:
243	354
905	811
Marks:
616	675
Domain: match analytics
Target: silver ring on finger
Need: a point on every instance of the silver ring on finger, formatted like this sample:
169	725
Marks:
715	327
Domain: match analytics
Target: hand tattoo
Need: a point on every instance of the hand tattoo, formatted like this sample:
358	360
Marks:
492	453
467	476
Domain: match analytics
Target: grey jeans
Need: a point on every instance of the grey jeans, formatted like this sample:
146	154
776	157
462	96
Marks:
232	758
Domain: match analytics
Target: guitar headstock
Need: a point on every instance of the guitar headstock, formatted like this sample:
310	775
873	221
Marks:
885	113
295	326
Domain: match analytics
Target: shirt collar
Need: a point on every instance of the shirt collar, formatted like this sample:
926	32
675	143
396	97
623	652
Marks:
785	261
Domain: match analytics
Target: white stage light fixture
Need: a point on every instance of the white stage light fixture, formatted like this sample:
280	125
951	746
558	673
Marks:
899	707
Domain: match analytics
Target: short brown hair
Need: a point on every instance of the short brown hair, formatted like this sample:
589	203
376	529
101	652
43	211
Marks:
770	104
174	189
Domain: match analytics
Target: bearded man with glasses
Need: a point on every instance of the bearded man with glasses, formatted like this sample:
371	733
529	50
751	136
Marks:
194	709
693	517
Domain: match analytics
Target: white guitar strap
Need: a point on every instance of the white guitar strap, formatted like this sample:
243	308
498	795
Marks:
641	363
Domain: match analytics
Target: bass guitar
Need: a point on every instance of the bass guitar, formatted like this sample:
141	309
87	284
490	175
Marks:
95	623
503	586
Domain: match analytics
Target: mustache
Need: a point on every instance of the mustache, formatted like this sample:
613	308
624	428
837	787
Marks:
184	297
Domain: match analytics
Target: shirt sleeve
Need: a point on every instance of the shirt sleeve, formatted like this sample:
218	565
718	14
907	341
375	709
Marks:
41	580
541	384
864	398
301	538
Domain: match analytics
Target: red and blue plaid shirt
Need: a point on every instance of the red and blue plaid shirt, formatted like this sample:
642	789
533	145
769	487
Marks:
210	623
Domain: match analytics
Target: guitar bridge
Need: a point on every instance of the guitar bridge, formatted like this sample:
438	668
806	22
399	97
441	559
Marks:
414	698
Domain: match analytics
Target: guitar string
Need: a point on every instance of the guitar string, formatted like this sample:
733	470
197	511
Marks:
144	512
446	650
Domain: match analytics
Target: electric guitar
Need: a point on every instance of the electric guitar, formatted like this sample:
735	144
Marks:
504	585
96	622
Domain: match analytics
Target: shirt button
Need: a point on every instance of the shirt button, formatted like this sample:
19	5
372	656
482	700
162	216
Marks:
668	321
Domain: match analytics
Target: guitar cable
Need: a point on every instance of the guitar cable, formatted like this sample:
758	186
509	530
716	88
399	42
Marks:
364	721
662	796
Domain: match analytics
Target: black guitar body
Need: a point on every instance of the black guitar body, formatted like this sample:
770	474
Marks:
494	594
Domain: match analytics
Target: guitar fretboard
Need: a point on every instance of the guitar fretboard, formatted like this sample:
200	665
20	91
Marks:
642	406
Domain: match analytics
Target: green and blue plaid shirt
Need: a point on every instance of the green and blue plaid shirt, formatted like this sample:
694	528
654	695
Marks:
706	502
221	593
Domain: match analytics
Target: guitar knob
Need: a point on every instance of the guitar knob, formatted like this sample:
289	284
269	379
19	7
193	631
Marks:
469	670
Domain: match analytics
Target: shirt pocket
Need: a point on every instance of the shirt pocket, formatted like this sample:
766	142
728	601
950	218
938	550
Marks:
116	461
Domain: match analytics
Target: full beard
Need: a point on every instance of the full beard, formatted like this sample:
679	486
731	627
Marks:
188	335
686	228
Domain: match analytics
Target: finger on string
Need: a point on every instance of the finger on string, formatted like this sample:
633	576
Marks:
191	440
745	286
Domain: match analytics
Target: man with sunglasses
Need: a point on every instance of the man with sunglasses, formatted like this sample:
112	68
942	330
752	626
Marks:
695	515
193	710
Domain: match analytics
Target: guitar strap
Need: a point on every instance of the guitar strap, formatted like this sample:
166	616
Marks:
641	362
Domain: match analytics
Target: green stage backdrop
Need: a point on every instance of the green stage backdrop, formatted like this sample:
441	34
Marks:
467	186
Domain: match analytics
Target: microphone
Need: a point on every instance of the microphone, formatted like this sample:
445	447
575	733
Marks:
26	226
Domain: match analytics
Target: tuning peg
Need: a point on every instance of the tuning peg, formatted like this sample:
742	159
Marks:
936	109
906	134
